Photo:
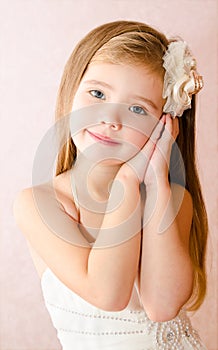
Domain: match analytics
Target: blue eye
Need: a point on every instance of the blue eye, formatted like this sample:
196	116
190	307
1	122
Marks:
137	110
97	94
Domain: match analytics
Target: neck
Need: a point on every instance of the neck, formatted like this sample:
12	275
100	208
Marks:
97	177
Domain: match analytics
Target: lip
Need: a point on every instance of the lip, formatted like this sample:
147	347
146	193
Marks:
103	139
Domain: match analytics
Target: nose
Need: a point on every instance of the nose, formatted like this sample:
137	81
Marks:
111	116
112	125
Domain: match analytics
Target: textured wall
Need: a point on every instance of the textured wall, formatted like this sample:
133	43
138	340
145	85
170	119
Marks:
37	37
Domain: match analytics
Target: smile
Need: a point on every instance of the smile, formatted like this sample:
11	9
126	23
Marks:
103	139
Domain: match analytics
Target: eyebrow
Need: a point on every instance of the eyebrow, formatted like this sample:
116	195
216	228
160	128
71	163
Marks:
97	82
146	100
141	98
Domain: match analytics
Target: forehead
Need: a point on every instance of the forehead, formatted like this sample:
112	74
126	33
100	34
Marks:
139	75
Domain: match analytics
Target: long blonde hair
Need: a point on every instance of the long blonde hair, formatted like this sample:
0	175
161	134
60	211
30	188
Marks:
134	42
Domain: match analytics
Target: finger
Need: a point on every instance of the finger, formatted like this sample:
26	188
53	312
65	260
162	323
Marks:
140	162
167	138
155	136
172	126
157	132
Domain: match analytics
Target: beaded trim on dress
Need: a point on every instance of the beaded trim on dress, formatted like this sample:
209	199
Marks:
77	320
168	335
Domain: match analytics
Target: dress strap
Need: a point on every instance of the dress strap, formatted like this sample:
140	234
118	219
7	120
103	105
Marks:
75	194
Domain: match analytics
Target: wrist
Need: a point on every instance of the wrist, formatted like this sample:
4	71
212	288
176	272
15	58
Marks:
127	174
159	183
125	185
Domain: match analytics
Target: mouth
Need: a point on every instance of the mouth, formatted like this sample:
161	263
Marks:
103	139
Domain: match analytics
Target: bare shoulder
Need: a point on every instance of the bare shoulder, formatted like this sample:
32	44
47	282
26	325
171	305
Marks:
57	190
62	183
63	189
24	200
27	201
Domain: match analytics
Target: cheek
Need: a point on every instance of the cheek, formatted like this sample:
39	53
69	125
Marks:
82	99
141	140
137	139
78	102
79	141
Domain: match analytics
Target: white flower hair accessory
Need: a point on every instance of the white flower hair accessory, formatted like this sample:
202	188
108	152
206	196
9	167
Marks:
181	79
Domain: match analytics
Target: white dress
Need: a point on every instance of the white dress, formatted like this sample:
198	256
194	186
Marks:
82	326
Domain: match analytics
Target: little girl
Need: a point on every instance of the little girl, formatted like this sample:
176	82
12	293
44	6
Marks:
118	236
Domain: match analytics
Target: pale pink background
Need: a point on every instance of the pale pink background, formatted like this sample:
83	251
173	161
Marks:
36	39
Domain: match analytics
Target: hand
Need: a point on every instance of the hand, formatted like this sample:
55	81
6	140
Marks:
152	161
137	165
158	166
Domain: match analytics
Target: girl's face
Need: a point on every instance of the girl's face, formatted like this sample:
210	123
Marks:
124	103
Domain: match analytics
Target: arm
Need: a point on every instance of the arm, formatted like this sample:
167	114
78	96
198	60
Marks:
121	232
103	278
166	268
